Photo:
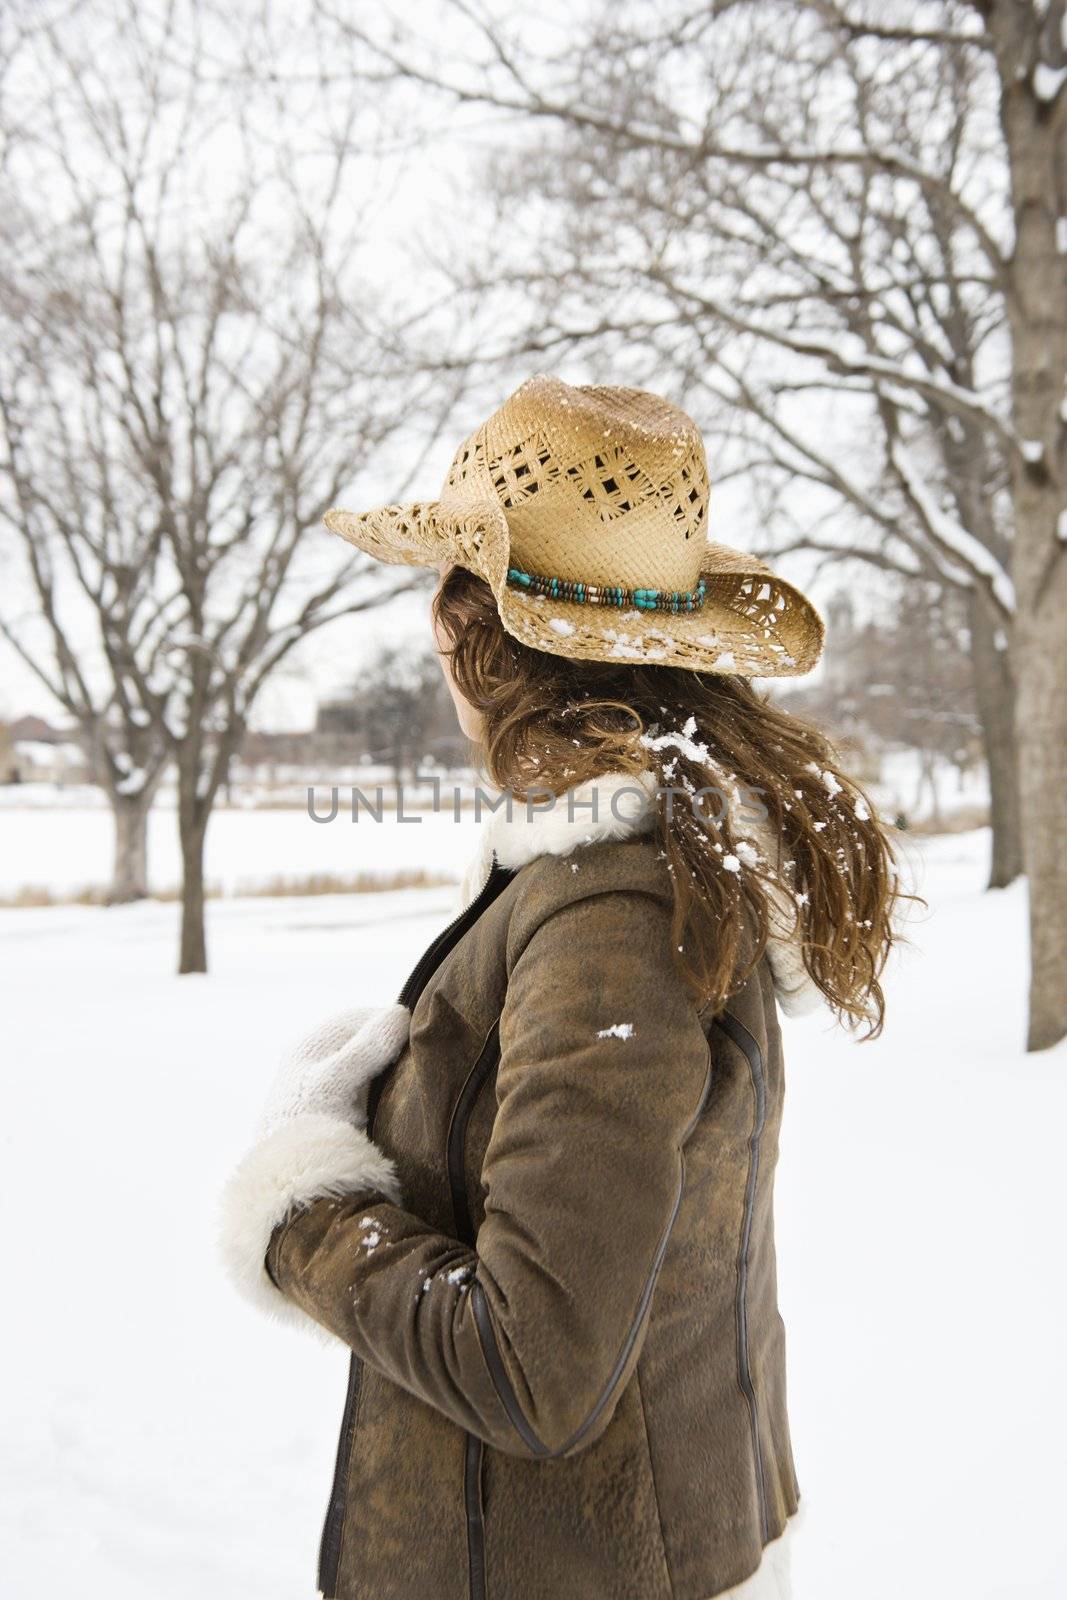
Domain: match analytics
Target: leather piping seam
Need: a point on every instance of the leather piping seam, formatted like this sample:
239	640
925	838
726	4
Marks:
491	1350
455	1139
743	1041
501	1382
473	1452
652	1474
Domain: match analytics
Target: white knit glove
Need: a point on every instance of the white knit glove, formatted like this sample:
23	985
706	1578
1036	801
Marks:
311	1143
330	1071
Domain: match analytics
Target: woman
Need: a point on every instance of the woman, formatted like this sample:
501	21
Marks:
535	1196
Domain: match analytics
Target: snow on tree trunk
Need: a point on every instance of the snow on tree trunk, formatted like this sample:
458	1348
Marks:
994	690
129	878
1035	130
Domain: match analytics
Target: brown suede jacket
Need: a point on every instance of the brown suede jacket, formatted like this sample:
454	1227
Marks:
568	1370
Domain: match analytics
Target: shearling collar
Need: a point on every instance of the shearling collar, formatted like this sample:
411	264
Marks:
612	806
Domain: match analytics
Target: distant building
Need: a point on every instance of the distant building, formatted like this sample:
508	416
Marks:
374	724
344	714
9	772
38	731
38	761
33	751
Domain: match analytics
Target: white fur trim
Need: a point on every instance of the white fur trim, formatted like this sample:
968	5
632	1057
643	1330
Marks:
796	992
795	989
313	1157
612	806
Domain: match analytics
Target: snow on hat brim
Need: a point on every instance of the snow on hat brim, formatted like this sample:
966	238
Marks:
751	622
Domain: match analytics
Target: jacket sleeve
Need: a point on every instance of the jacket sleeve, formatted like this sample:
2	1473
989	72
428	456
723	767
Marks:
528	1338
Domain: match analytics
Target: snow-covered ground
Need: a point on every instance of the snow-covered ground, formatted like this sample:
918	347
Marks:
160	1439
61	838
70	849
942	792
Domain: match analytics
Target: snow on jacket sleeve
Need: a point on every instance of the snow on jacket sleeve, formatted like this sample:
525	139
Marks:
528	1338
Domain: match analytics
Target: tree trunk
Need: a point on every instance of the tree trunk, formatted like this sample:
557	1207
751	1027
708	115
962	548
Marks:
1042	709
994	690
1035	131
192	956
130	813
927	784
129	877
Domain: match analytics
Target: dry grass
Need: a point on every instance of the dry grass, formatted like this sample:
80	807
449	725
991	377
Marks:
34	894
349	883
961	821
315	883
417	800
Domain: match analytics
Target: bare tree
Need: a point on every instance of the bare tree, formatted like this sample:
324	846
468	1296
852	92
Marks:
899	681
844	238
1031	56
190	376
392	708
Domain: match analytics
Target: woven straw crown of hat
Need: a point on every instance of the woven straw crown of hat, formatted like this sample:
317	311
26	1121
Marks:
585	510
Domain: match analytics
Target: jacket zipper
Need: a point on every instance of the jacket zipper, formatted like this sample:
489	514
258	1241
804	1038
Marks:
455	1149
425	967
739	1035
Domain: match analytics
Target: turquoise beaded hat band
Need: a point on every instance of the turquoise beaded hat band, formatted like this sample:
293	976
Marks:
608	594
584	509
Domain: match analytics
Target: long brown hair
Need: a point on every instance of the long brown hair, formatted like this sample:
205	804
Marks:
551	722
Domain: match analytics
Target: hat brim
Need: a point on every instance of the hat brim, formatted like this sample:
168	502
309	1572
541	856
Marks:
751	622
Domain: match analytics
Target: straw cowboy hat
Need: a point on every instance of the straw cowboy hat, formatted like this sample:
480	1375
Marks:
585	510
